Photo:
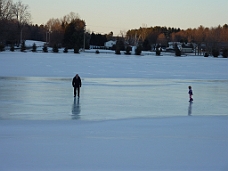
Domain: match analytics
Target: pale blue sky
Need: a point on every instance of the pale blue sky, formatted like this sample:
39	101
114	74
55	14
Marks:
103	16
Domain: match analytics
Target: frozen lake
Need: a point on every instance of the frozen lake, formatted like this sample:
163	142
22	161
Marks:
50	98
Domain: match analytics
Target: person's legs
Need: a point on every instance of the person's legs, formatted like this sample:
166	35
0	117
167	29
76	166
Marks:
190	98
74	91
78	91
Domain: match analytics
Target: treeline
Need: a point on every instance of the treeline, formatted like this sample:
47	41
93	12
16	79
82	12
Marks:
204	38
13	19
151	35
207	39
70	32
15	27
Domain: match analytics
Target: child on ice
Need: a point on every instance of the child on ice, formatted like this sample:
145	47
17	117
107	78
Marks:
190	92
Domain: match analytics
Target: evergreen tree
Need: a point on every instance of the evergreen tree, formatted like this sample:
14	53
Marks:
117	52
74	34
76	49
138	50
23	47
45	49
206	54
2	47
225	53
34	47
55	48
12	47
177	50
120	44
128	50
98	39
65	50
146	45
215	53
158	50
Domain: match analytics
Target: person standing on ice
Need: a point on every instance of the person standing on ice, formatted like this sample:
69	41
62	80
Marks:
190	92
76	83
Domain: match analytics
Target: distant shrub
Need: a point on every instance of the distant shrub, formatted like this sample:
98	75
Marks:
76	49
206	54
177	52
12	47
117	52
138	50
55	48
128	50
45	49
34	47
225	53
65	50
146	45
2	47
23	47
120	44
158	50
215	53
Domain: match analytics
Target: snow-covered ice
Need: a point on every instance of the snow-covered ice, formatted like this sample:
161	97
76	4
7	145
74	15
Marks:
91	65
133	113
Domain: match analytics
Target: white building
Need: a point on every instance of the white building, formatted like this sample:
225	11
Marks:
185	49
109	44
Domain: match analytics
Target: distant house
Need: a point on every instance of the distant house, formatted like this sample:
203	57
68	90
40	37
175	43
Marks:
109	44
184	47
96	47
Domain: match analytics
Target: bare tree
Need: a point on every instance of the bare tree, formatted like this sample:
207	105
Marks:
69	17
199	36
162	39
53	24
22	15
109	36
123	33
6	9
5	20
144	32
54	32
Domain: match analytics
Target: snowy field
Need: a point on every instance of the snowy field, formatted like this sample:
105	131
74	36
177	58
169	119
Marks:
133	113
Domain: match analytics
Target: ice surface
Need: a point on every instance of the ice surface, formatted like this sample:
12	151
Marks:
133	113
176	143
108	98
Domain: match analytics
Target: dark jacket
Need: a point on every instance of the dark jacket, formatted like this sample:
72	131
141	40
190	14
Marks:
76	82
190	92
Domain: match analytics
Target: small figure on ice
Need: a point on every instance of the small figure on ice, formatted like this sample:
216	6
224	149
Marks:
190	92
76	83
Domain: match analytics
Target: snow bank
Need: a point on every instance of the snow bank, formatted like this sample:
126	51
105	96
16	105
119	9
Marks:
29	43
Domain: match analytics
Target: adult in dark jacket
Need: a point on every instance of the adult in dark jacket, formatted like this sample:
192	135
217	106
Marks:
76	83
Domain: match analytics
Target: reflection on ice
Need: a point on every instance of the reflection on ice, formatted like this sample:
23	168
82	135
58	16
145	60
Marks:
109	98
190	109
76	109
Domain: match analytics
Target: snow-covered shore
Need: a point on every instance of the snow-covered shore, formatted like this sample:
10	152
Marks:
91	65
169	143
